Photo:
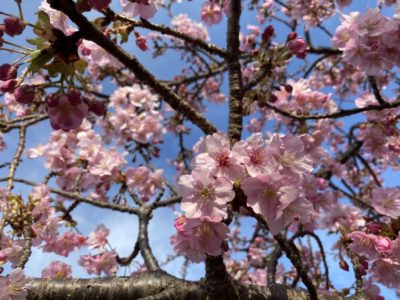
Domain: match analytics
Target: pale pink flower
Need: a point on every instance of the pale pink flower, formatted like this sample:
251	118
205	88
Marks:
183	23
279	203
289	154
105	262
199	237
203	195
144	181
65	243
15	286
211	13
252	154
57	19
386	201
146	9
98	238
363	244
218	159
57	270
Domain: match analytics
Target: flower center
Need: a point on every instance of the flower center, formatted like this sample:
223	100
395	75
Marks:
270	193
287	159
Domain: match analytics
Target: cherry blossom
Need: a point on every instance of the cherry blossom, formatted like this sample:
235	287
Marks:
57	270
15	285
146	9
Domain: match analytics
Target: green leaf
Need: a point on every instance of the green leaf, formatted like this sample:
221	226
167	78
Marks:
40	58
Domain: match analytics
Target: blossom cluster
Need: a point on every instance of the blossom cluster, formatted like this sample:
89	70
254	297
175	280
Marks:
311	12
382	252
270	176
369	41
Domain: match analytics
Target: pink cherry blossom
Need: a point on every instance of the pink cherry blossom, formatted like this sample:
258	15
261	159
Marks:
383	244
386	201
218	159
14	286
105	262
67	111
146	9
57	270
200	237
363	244
204	196
211	13
98	238
288	152
252	153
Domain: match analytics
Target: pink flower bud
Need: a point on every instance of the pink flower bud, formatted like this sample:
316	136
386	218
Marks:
97	107
180	224
273	98
141	42
288	88
374	228
74	97
24	94
8	86
99	4
7	72
298	47
383	244
14	26
292	36
268	33
3	256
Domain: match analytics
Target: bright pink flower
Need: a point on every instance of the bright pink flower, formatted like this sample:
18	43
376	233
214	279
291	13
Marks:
141	42
218	160
386	201
146	9
383	244
14	286
57	270
211	13
105	262
67	111
204	196
98	238
363	244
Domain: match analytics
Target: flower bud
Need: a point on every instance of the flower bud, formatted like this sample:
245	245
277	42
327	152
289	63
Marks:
14	26
268	33
24	94
7	72
383	244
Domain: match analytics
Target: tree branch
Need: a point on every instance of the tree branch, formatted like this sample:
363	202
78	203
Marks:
89	32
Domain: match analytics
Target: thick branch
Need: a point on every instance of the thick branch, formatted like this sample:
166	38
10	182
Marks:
235	74
89	32
151	286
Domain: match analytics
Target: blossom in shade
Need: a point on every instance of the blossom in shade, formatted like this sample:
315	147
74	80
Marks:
57	270
211	13
66	111
203	195
278	203
14	286
7	72
100	4
98	238
105	262
145	9
197	237
386	201
363	244
14	26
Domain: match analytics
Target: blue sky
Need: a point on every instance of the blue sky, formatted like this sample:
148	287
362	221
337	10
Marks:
124	227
